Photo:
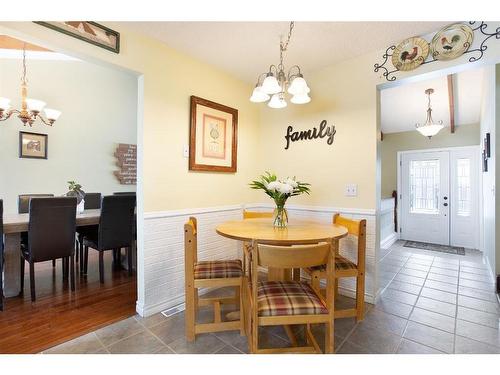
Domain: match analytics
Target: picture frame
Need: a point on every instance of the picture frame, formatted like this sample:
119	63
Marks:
487	145
33	145
485	161
88	31
213	137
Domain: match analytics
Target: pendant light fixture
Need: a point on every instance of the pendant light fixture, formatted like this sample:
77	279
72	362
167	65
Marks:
273	84
30	108
430	128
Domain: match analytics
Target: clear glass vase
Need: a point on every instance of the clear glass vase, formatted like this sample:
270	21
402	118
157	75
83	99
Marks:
280	217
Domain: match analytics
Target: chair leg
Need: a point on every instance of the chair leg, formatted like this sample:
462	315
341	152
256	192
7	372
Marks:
22	274
86	262
72	272
129	256
76	250
329	338
360	297
32	281
190	312
101	267
1	280
239	297
53	262
65	266
81	256
336	289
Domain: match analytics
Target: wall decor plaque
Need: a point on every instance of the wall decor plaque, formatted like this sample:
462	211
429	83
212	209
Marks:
452	41
88	31
126	155
322	131
213	136
410	53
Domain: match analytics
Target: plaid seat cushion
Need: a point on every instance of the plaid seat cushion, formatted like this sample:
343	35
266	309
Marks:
276	298
341	264
217	269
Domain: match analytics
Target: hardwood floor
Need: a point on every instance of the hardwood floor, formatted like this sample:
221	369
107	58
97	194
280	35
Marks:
59	315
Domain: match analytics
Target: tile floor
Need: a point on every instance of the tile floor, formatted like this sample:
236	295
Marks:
433	303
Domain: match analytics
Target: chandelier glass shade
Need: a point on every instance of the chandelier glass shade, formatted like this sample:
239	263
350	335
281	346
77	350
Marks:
30	108
429	128
272	85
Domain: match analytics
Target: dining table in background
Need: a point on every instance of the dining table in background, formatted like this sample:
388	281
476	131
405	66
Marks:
13	226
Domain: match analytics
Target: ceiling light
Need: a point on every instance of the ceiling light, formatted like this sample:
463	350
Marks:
430	128
30	108
276	81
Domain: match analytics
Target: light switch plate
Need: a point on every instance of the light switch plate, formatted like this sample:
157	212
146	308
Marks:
185	151
351	190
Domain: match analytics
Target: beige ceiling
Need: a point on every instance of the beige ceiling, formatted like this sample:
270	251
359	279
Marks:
246	49
403	106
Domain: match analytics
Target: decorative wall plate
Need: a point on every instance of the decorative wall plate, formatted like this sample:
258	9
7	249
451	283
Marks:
410	53
452	41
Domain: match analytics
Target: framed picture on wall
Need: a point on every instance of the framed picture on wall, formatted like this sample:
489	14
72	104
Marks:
33	145
88	31
213	136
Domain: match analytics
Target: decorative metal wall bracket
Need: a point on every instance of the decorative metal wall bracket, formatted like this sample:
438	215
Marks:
478	52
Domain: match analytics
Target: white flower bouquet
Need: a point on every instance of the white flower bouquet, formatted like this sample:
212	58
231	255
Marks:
280	191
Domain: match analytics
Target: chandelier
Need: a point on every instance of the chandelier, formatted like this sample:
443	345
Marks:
30	108
273	84
429	129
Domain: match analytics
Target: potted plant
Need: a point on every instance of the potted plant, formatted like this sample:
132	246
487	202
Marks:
280	191
75	190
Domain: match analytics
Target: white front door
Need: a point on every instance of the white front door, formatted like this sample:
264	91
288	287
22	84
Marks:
440	197
425	197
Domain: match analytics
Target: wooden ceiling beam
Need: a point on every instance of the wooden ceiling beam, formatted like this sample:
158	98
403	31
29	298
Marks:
7	42
451	102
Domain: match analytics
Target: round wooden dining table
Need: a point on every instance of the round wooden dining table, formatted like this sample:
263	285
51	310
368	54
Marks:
297	232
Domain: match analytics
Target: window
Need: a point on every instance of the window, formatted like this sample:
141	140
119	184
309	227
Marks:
424	186
463	187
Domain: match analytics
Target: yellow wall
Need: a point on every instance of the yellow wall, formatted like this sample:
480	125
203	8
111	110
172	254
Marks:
345	96
170	78
466	135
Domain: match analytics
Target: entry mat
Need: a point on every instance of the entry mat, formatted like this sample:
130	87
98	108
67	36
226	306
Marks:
435	247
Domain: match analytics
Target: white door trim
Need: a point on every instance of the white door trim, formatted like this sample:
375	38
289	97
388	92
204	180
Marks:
399	155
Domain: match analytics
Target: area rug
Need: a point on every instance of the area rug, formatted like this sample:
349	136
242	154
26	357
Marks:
434	247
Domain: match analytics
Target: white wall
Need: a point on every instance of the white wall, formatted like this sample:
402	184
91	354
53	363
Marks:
487	125
99	110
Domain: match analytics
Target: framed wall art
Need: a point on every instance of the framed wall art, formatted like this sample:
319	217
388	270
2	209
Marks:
88	31
33	145
213	136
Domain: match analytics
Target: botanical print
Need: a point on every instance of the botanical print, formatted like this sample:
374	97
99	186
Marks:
214	137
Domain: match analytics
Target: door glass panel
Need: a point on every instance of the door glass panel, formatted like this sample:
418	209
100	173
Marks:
463	187
424	186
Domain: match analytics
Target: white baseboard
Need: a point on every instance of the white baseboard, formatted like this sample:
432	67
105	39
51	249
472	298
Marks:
389	241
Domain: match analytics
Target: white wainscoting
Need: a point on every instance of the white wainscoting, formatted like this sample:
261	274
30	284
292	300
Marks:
164	248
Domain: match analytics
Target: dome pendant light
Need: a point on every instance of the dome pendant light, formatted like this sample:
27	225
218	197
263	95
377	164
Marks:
273	84
430	128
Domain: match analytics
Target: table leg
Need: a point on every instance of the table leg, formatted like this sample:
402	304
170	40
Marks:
12	271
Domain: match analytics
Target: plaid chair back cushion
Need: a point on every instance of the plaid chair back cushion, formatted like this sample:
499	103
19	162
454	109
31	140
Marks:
341	264
276	298
218	269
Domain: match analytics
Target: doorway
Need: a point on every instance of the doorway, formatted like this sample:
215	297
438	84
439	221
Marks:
439	195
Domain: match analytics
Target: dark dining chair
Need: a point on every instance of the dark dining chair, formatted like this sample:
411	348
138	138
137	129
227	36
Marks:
51	235
124	193
115	230
92	202
23	207
1	255
23	201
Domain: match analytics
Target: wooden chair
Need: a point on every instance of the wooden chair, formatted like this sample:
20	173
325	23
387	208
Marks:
346	268
209	274
247	246
273	303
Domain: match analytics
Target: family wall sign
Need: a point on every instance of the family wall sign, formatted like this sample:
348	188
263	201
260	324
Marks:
323	131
